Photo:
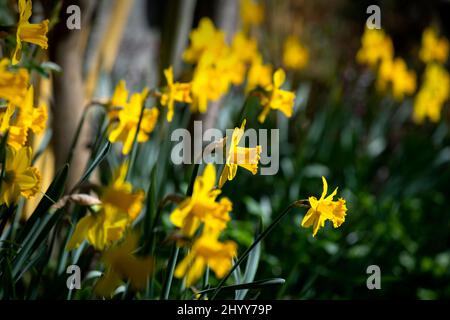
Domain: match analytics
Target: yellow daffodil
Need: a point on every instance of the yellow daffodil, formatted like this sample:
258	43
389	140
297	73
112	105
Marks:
244	47
30	117
247	158
396	74
119	100
259	75
252	14
20	179
17	136
278	99
433	48
119	207
175	92
123	265
202	206
324	209
28	32
128	119
206	251
205	37
376	47
13	85
295	55
432	95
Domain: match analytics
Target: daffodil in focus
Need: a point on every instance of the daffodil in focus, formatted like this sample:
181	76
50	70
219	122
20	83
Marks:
202	206
252	14
128	119
13	84
207	251
28	32
106	223
278	98
376	47
174	92
432	95
433	48
324	209
395	73
123	265
247	158
20	178
295	55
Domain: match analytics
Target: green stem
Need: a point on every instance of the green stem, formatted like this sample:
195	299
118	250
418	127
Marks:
300	203
175	250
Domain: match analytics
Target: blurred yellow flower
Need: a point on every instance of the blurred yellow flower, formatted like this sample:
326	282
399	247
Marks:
295	55
13	85
128	119
119	207
244	47
123	265
17	136
433	48
247	158
324	209
30	117
252	14
27	32
259	75
20	179
174	92
118	100
202	206
396	73
206	251
432	95
376	47
278	99
205	37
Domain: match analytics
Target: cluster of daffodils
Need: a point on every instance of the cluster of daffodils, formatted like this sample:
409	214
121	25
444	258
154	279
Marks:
19	117
435	88
377	51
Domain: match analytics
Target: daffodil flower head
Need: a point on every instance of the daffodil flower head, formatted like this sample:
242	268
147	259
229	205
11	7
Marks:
323	209
128	120
202	206
433	48
394	74
30	117
205	38
28	32
252	14
376	47
106	223
433	93
122	264
20	178
174	92
295	55
247	158
119	100
207	251
278	99
13	84
17	136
